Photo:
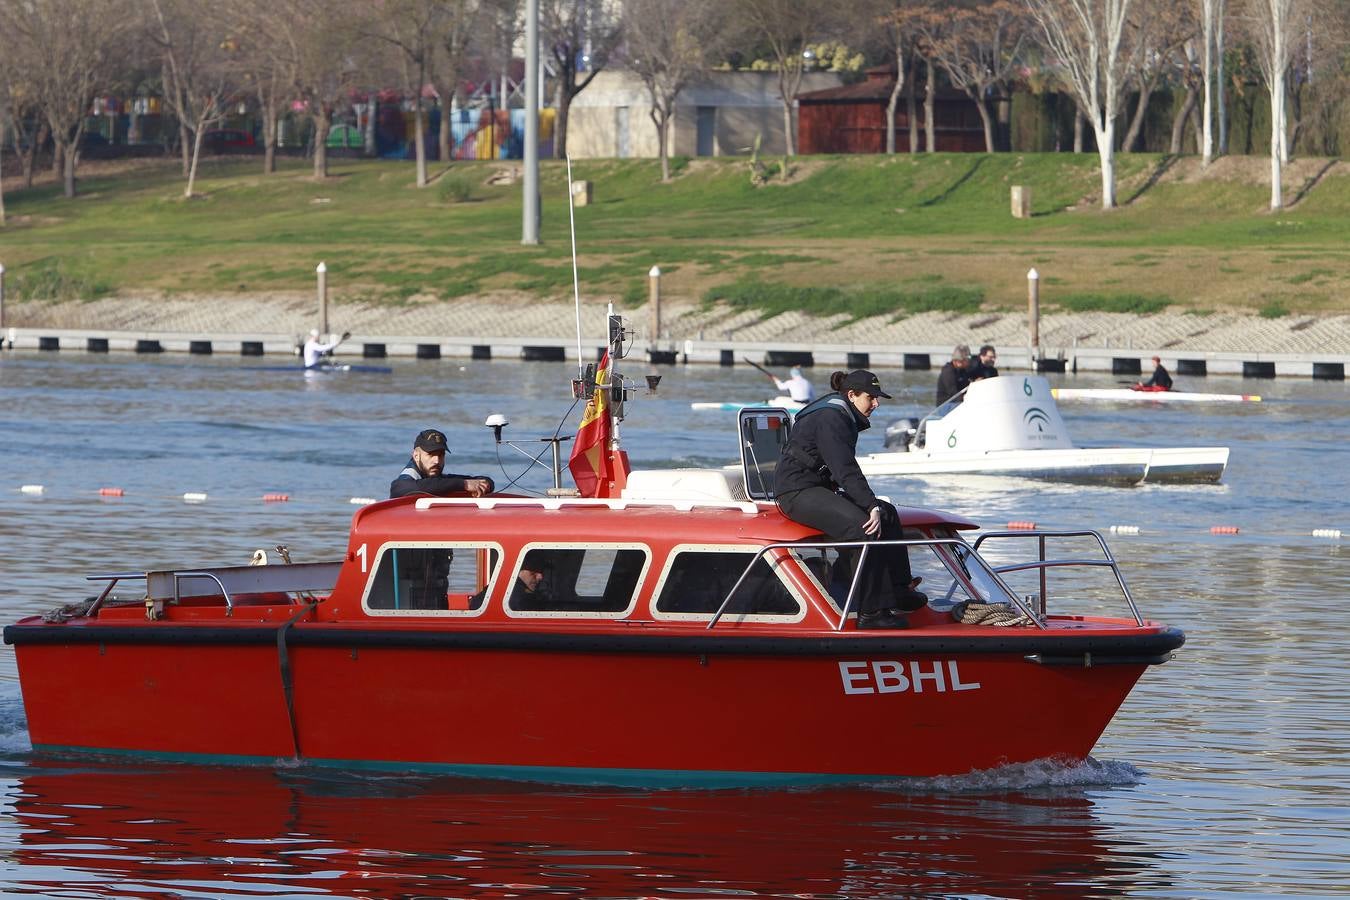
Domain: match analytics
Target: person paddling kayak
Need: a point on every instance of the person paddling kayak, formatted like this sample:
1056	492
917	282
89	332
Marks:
1158	381
315	350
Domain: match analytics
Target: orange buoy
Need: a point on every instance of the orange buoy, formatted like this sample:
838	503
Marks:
110	492
1021	526
276	498
1223	529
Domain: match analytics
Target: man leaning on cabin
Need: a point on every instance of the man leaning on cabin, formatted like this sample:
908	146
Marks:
423	474
955	375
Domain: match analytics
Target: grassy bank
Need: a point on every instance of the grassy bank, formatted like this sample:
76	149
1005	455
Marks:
867	234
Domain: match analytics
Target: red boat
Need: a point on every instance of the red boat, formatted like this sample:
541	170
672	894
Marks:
686	632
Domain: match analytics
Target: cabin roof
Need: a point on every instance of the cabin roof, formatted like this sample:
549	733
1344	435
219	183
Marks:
523	519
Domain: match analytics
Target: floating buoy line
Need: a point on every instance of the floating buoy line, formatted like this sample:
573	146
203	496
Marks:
273	497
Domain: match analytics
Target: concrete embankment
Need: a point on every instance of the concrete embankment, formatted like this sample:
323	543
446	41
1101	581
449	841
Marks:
508	327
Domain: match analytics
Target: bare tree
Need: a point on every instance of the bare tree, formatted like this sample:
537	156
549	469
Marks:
1086	38
932	25
457	30
323	54
196	46
667	44
582	36
787	27
1211	38
895	21
412	28
1160	29
978	52
69	50
1276	25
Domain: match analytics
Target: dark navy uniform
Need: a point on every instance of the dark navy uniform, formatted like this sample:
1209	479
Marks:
818	483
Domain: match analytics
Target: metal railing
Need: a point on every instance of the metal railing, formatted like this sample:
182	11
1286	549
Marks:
963	551
1043	565
229	580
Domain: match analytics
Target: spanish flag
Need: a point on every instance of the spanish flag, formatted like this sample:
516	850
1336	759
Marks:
590	461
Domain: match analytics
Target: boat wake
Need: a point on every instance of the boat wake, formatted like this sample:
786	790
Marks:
1040	773
13	727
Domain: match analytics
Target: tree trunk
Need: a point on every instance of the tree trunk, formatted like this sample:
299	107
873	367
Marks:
1106	138
1179	120
270	119
1137	122
894	100
661	118
2	172
1207	85
322	122
368	137
444	142
196	156
988	123
1077	129
929	98
911	107
419	135
68	170
1220	95
560	124
184	146
1276	123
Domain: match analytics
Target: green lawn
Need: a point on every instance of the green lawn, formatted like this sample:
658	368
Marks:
866	235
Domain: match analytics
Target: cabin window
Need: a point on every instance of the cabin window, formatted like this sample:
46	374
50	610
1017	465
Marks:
597	579
698	579
423	578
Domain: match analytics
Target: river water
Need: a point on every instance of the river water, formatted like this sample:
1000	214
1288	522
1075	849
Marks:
1226	772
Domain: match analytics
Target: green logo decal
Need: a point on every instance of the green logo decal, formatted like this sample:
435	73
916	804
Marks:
1036	416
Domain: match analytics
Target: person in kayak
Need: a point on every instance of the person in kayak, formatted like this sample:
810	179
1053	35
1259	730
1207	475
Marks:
818	483
797	387
1158	381
315	350
423	473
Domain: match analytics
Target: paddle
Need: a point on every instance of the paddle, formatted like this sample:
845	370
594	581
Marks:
761	368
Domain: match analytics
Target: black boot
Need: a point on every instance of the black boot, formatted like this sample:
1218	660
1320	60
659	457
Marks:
882	618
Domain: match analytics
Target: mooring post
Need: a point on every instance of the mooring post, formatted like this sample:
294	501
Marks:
322	271
654	296
1034	315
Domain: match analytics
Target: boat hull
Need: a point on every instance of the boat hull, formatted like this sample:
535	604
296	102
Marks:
576	708
1080	464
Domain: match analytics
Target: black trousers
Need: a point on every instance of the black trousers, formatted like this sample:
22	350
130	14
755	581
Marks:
887	571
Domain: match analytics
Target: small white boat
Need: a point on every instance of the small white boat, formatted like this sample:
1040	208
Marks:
782	402
1010	426
1130	395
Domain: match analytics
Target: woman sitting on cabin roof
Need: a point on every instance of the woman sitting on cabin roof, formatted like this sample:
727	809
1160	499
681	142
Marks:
818	483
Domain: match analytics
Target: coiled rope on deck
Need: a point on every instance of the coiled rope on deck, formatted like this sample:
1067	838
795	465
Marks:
998	614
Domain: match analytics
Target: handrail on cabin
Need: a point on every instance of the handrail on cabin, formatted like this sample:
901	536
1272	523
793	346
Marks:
1043	565
857	571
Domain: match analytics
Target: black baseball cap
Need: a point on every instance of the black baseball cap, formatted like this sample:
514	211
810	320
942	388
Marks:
864	381
430	441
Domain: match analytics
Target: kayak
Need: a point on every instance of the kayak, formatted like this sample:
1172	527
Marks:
328	369
782	402
1129	394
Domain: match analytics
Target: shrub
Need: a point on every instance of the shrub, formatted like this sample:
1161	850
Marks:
454	189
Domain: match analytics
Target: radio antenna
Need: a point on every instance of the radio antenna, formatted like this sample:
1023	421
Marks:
576	282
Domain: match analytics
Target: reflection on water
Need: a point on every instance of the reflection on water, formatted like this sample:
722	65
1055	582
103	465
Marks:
227	833
1227	769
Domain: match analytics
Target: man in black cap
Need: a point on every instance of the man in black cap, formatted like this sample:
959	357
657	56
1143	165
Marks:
818	483
422	474
427	570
